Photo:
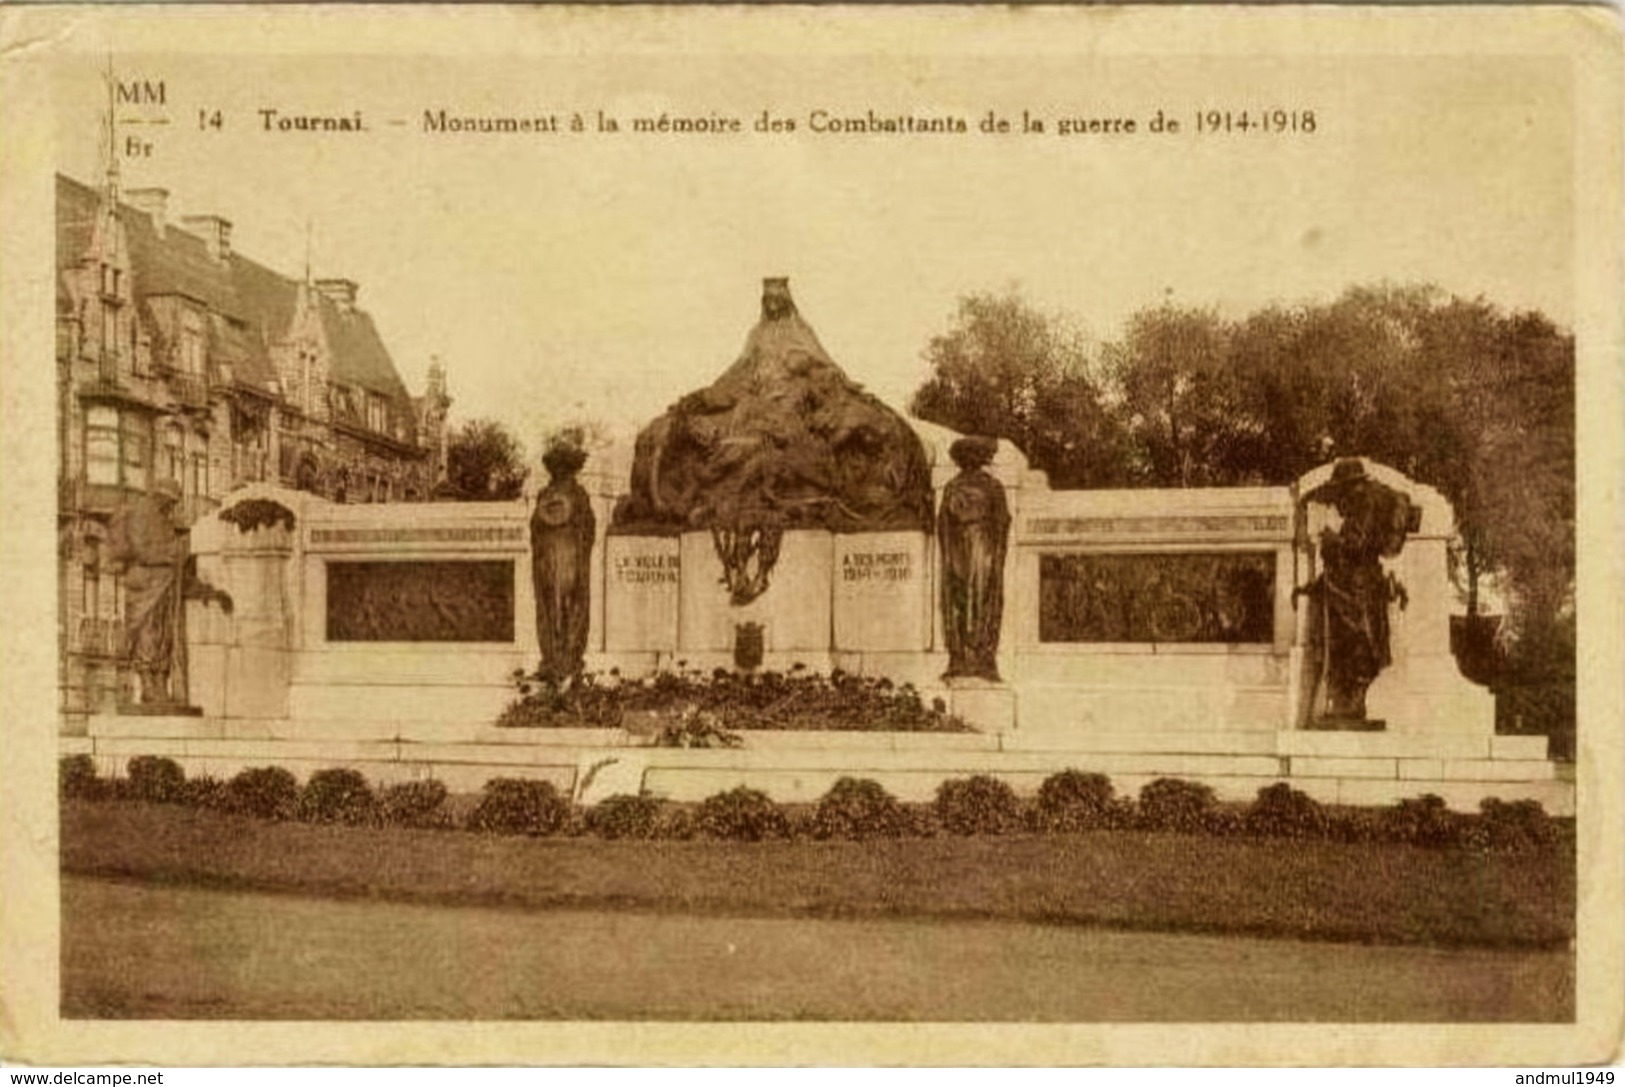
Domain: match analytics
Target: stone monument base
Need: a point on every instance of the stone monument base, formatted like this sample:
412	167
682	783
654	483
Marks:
984	704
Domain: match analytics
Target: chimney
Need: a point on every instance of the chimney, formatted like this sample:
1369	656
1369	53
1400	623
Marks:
215	232
341	291
155	202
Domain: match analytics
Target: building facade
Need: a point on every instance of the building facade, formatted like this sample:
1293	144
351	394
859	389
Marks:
185	365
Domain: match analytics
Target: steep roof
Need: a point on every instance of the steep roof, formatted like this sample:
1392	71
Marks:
258	303
360	357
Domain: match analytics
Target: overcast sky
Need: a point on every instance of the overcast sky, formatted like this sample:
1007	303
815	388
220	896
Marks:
563	277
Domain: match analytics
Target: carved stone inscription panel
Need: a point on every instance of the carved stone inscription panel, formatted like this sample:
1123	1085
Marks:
1201	597
440	601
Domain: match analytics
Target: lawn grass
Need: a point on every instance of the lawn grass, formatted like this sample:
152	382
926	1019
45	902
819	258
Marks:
1376	893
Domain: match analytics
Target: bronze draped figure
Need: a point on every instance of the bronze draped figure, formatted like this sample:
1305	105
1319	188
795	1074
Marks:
973	530
562	530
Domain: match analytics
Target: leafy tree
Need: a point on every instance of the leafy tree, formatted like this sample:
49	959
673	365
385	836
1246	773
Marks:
484	462
1006	370
1337	379
1179	399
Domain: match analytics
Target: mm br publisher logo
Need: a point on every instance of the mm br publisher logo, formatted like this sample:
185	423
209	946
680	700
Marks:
140	92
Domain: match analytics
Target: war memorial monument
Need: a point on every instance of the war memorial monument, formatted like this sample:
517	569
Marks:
782	518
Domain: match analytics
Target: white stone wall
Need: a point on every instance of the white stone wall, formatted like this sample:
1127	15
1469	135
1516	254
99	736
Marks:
864	602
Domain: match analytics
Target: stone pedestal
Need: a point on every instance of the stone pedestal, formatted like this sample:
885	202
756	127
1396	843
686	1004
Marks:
1422	691
240	658
259	661
984	705
795	611
882	592
642	587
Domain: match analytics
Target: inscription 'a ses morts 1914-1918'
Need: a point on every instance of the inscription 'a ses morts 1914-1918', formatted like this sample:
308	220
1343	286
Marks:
882	566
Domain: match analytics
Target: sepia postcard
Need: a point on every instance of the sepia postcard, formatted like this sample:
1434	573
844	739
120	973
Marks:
811	535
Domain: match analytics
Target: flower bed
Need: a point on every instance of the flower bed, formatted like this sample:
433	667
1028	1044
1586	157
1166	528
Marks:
797	700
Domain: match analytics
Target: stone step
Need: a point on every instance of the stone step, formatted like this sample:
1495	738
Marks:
470	703
1188	742
1086	708
361	665
1148	666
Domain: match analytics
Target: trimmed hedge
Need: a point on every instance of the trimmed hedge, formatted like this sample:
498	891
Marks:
155	779
204	792
741	815
977	805
1513	826
1073	800
268	792
858	808
1176	804
624	816
76	779
852	809
519	806
337	796
1284	812
414	804
1425	820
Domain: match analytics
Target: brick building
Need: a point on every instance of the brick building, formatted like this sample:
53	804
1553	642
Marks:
180	359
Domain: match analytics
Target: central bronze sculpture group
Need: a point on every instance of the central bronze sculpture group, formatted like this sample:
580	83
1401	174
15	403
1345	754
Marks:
782	440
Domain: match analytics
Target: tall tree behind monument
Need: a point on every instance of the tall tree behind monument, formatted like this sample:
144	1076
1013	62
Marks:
485	462
1004	368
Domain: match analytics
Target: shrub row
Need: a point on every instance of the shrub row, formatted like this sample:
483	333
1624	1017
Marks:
853	809
265	792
